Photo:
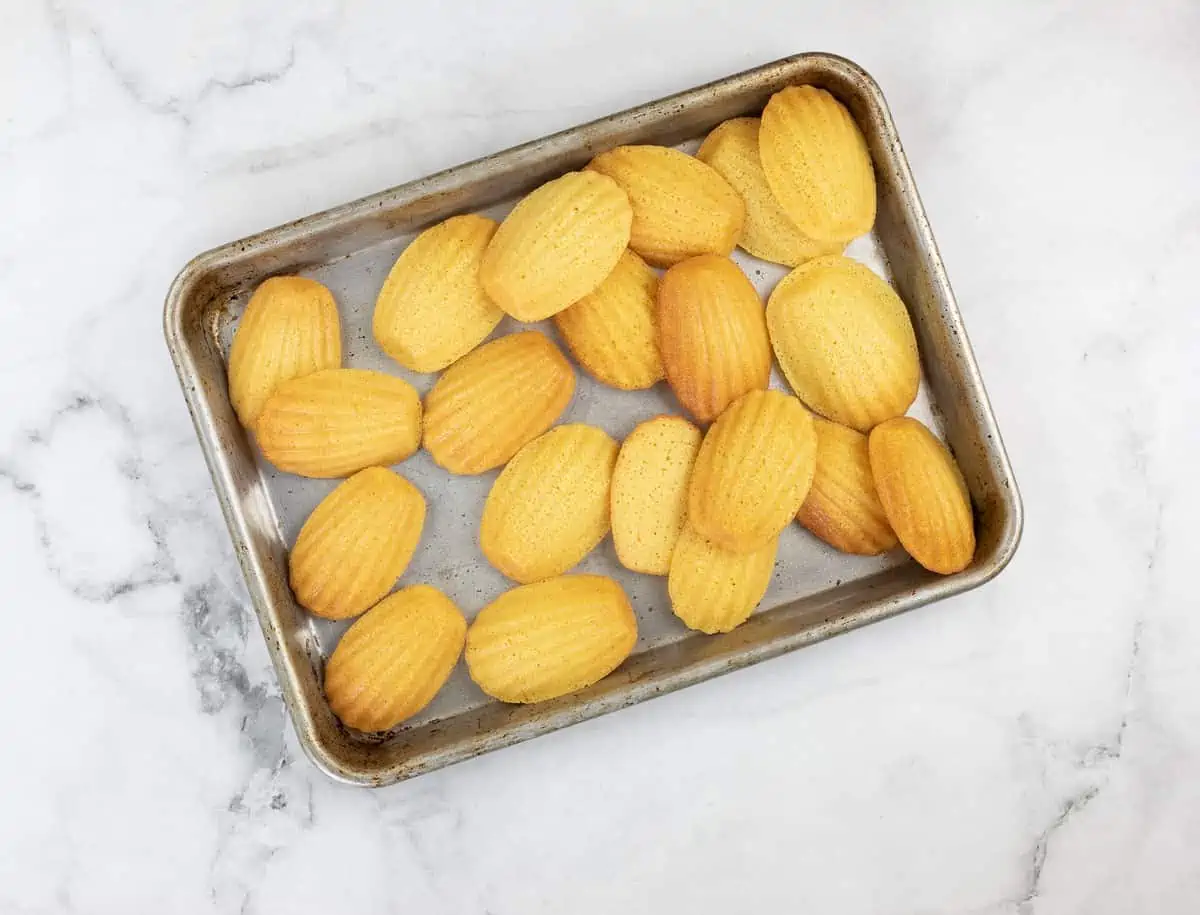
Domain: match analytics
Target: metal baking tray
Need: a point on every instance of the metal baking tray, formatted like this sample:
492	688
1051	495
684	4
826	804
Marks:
815	592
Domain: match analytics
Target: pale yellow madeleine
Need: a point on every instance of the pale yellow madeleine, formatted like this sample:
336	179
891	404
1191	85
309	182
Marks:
392	661
332	423
549	506
649	492
713	589
681	207
753	471
557	245
924	495
844	342
356	543
494	400
432	308
611	332
712	335
769	233
843	507
290	328
545	640
817	164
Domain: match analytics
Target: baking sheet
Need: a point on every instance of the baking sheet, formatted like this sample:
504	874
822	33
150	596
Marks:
815	591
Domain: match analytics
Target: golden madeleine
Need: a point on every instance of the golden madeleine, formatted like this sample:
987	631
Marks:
334	422
712	335
681	207
817	164
844	342
753	471
713	589
769	233
557	245
549	506
612	333
392	661
924	495
432	308
650	492
545	640
290	328
356	543
842	506
494	400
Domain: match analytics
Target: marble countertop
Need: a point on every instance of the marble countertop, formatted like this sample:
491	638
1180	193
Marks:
1031	747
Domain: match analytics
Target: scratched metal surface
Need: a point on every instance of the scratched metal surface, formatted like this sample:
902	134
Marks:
815	591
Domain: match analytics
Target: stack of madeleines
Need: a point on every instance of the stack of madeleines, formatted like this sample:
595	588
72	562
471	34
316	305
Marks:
701	501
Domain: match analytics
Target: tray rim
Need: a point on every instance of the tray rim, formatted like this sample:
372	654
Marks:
195	273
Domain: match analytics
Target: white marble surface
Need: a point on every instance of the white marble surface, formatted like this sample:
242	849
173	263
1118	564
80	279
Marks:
1029	748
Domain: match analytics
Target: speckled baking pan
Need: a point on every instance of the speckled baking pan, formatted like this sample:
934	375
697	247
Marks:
815	593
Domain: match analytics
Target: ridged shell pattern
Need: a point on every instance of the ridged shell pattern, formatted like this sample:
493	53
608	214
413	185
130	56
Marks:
753	471
612	332
712	335
432	308
290	328
842	506
924	494
817	164
550	506
494	400
545	640
713	589
681	207
769	233
356	543
391	663
332	423
650	492
844	342
557	245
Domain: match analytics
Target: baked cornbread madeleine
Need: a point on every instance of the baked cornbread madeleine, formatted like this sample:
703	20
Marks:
358	540
557	245
432	308
842	506
337	421
545	640
713	589
681	207
923	494
550	505
712	335
844	342
494	400
817	164
768	233
612	332
391	663
650	492
290	328
753	471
